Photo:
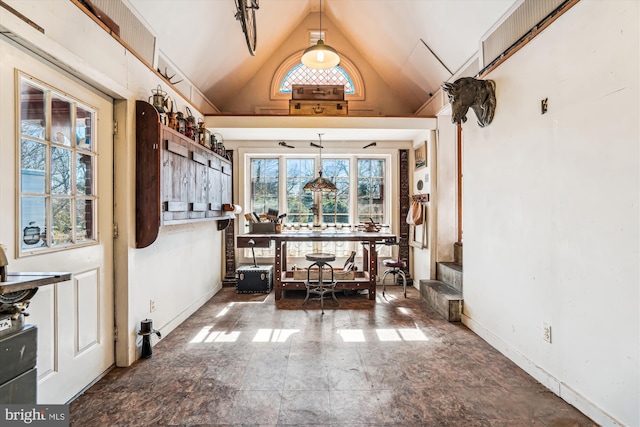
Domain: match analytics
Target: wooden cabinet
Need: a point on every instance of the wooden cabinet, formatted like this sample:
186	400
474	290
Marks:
177	179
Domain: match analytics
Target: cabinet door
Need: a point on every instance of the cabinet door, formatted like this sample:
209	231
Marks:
215	190
227	191
175	177
199	191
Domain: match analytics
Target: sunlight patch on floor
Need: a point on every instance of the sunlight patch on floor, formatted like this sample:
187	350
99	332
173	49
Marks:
352	335
388	335
412	334
206	335
274	335
225	310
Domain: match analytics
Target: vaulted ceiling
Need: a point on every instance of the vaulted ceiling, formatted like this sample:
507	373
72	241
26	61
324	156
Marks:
414	45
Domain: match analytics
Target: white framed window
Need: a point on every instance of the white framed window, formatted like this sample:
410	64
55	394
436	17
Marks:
57	169
291	71
371	195
301	74
299	202
265	176
361	182
335	205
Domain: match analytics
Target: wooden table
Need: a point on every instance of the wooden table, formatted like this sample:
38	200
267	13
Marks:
20	287
365	279
19	281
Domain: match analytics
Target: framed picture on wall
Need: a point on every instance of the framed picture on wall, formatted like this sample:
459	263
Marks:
420	155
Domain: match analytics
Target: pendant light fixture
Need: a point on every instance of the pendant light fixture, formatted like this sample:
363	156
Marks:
319	183
320	56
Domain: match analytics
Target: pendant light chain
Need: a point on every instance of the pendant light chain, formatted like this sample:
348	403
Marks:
320	139
321	38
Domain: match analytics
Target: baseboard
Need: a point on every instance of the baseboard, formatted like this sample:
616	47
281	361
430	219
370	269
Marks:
559	388
184	314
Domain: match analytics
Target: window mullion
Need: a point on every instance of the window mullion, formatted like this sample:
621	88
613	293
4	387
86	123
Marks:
74	173
353	195
282	181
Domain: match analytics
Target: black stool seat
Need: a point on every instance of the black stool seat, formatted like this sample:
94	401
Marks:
395	268
394	263
320	257
321	286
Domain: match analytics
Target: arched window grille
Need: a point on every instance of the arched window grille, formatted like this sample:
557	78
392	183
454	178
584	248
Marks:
301	74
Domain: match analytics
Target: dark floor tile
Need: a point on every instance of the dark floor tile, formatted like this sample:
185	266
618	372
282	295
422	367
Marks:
247	360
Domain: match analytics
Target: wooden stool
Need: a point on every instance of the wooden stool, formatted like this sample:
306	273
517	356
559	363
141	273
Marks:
320	287
395	268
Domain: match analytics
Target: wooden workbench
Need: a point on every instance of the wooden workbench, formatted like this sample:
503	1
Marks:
283	280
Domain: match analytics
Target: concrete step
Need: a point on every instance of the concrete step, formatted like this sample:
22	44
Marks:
450	273
444	299
457	253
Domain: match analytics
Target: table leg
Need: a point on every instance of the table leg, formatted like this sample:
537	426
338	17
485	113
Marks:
365	258
283	259
373	269
278	271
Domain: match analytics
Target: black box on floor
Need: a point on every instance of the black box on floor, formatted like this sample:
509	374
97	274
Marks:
254	279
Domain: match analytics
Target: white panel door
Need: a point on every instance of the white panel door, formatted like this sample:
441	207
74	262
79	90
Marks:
75	318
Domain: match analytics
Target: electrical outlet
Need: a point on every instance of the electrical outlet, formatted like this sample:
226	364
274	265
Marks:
152	306
546	332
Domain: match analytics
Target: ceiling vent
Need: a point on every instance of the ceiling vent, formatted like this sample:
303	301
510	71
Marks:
314	36
514	26
132	31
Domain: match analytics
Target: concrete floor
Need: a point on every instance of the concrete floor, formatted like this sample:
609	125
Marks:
244	360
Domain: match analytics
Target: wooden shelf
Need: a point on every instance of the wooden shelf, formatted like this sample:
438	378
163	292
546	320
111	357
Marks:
177	180
361	281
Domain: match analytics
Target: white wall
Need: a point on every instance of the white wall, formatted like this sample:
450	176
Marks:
379	97
551	211
423	242
447	178
184	267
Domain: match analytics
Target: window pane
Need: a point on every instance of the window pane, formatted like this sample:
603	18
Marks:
61	121
376	188
377	168
61	216
83	129
60	171
264	185
32	166
32	110
299	202
33	212
57	161
335	206
84	220
84	174
364	167
371	190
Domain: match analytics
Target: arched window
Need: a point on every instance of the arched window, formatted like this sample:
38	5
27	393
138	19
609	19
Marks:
301	74
291	71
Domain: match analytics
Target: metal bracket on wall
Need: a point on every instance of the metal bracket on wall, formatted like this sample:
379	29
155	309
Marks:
422	198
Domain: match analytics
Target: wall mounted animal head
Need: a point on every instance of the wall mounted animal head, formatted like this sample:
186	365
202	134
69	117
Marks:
467	92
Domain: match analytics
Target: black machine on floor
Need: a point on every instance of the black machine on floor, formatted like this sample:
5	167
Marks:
254	278
18	374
